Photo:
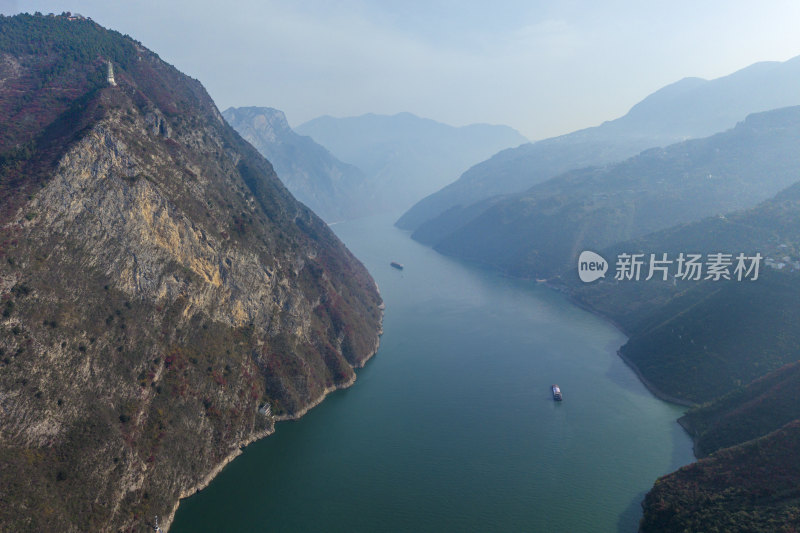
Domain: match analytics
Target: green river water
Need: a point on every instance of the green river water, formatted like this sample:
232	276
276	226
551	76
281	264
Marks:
452	425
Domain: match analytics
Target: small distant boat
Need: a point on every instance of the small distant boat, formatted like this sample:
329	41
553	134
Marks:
398	266
556	393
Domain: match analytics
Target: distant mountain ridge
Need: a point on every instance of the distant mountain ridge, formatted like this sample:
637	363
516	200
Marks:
334	190
699	341
730	348
406	157
689	108
541	232
695	107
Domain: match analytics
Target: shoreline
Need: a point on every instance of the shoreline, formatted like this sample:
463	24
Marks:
655	391
694	441
555	284
652	388
241	445
360	364
664	397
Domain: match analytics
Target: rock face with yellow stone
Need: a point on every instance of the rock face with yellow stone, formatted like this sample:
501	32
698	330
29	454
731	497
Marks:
164	298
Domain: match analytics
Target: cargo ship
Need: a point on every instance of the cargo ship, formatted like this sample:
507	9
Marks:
398	266
556	393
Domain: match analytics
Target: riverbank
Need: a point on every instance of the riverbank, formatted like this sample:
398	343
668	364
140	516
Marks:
652	388
655	391
691	434
241	445
400	452
559	286
167	521
562	288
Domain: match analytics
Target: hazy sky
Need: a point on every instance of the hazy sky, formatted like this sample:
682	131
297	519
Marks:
542	67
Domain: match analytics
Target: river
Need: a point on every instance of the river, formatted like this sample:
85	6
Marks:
452	425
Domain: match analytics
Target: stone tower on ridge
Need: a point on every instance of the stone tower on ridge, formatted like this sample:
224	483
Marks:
111	81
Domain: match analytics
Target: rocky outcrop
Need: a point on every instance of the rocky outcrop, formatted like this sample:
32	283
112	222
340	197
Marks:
332	189
159	289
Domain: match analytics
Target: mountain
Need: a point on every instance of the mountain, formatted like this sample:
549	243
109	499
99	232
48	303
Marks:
752	411
689	108
407	157
731	346
164	298
772	229
754	487
333	190
712	340
695	341
541	232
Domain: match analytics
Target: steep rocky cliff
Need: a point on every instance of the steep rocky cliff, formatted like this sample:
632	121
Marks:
164	298
334	190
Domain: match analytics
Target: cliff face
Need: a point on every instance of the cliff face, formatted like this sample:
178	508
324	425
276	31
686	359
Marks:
332	189
160	287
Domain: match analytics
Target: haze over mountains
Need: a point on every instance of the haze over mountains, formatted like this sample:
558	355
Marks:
542	231
699	166
627	186
696	341
332	189
689	108
733	348
407	157
165	299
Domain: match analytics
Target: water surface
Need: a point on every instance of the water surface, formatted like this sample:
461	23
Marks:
452	426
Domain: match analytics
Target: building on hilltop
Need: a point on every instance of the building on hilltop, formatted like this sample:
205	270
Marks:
111	81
